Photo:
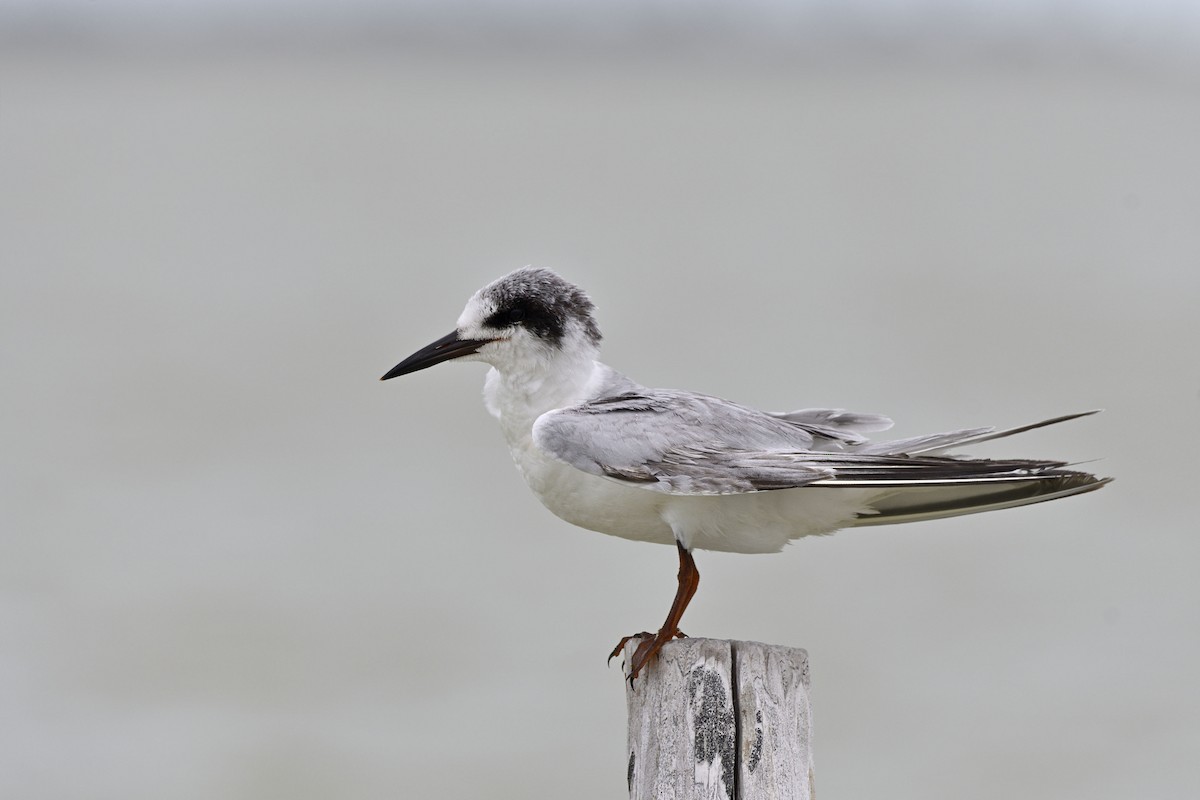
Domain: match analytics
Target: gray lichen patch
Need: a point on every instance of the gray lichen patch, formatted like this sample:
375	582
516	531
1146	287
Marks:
757	745
715	722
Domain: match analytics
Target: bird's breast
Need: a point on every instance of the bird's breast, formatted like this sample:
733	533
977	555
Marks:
590	501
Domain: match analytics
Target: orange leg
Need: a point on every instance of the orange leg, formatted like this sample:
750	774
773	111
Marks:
689	580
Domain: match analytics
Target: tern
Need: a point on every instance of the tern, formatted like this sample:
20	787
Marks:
695	471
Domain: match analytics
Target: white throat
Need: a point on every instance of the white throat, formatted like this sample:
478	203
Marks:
518	397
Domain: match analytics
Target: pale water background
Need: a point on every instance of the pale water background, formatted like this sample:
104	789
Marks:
234	565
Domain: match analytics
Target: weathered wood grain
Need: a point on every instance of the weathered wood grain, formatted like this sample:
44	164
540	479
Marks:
719	720
775	722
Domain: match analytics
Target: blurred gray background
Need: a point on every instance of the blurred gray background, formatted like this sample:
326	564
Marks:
234	565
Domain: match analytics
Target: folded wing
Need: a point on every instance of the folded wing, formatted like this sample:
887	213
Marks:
686	444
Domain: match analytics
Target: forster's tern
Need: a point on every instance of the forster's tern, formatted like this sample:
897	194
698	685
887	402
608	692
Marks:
672	467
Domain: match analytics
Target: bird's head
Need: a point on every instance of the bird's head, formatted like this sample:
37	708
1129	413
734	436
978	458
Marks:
526	320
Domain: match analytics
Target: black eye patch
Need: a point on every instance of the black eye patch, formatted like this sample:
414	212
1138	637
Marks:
537	318
507	317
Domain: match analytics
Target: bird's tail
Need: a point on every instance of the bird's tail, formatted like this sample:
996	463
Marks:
949	499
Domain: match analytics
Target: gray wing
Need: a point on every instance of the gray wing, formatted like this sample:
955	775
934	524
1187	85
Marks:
940	442
836	426
676	442
688	444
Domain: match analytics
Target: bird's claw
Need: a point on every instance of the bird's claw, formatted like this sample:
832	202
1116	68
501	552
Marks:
647	648
616	651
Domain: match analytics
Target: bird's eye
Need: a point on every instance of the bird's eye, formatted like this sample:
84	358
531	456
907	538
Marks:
507	317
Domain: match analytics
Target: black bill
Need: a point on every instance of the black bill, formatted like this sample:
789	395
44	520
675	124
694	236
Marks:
443	349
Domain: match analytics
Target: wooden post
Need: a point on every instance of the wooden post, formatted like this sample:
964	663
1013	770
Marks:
719	719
